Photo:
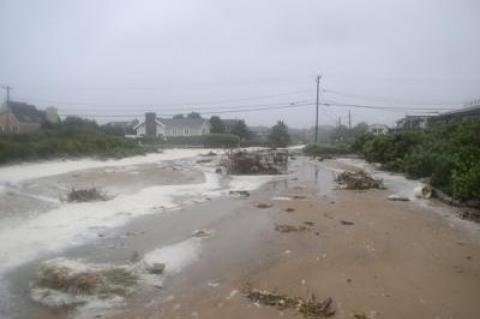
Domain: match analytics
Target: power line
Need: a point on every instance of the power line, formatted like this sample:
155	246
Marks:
234	100
186	109
387	108
384	99
204	113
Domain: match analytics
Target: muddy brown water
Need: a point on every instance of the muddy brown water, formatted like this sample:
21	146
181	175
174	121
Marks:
392	260
237	225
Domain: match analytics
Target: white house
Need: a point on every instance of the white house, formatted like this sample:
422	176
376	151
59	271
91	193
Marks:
378	129
154	126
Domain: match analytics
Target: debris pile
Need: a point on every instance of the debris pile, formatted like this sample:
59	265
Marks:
256	162
61	282
309	308
358	180
398	198
239	193
285	228
473	215
86	195
263	205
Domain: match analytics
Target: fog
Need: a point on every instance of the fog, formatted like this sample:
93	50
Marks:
114	60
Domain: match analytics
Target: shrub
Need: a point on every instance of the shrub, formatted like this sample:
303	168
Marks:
448	152
221	140
323	149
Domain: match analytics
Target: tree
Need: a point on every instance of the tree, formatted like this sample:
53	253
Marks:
75	122
240	129
194	115
359	129
216	125
279	136
178	116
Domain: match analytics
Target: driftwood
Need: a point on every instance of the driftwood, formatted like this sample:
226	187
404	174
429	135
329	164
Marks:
309	308
256	162
358	180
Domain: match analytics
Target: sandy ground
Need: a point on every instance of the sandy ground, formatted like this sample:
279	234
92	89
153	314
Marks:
394	260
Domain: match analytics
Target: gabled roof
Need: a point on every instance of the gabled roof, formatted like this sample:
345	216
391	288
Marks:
25	112
230	122
471	110
183	123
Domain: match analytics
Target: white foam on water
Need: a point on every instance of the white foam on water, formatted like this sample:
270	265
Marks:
249	183
21	172
71	224
175	257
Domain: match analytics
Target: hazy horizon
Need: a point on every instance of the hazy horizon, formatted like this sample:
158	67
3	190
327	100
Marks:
114	60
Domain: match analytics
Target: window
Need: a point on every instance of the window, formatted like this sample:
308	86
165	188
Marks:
174	131
187	132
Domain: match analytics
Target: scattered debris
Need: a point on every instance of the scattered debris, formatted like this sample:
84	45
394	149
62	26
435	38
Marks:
218	170
232	294
309	223
281	198
77	279
398	198
309	308
347	222
155	268
299	196
240	193
213	284
285	228
423	191
86	195
200	233
360	316
358	180
135	257
204	161
290	209
263	205
473	215
256	162
211	153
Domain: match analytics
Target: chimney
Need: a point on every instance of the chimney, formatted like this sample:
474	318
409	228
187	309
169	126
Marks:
150	124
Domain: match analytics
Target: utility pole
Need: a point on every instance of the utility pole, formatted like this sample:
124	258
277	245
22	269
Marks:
316	117
7	88
349	121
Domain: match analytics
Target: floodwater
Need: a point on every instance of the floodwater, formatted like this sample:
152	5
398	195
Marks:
155	202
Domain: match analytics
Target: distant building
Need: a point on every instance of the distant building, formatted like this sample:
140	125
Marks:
378	129
124	127
19	117
470	111
413	122
229	124
154	126
260	131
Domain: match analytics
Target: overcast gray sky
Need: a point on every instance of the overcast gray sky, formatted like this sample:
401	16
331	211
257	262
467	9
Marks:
116	59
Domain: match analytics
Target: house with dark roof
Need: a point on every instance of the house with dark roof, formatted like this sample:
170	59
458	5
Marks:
413	122
154	126
229	124
472	110
19	117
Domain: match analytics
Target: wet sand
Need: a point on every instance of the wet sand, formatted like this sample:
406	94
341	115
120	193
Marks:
397	259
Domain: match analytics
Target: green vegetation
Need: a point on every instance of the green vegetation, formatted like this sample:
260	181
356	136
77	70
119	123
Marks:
326	149
279	136
120	277
73	137
209	140
447	152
